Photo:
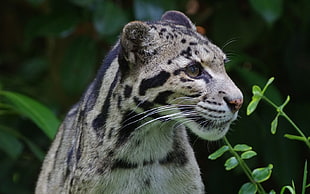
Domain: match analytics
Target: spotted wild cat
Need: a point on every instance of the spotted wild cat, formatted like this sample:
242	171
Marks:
128	134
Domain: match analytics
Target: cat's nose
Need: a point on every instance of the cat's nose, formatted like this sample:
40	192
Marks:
234	104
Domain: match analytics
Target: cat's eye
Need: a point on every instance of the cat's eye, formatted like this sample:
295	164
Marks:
193	70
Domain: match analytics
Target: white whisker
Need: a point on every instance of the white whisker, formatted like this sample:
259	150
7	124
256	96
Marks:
157	119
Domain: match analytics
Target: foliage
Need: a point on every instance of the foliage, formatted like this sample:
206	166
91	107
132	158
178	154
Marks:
260	175
258	94
50	50
33	110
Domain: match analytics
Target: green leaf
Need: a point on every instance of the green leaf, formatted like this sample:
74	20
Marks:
242	147
284	104
10	145
289	188
270	10
218	153
256	90
272	192
262	174
248	188
257	95
35	111
252	105
274	124
295	137
248	154
269	82
231	163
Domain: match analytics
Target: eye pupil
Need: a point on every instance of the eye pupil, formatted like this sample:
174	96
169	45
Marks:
193	70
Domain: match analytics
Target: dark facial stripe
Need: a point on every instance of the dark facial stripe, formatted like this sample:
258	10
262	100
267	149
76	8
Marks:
78	152
123	63
182	79
174	157
129	121
178	71
212	110
127	91
95	87
153	82
194	95
69	156
206	76
122	164
119	102
145	105
177	156
100	120
146	163
129	125
162	97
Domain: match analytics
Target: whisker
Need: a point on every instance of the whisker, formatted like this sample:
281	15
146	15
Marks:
158	110
183	99
155	111
183	122
157	119
230	41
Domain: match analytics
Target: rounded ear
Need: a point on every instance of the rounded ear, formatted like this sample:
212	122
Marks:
178	18
133	38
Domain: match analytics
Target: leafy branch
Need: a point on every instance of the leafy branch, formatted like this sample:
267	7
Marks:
18	104
255	176
258	94
242	152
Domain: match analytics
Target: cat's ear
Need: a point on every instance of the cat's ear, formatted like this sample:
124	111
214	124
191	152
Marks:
134	38
178	18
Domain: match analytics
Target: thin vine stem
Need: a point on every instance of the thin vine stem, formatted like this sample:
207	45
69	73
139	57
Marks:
282	113
244	166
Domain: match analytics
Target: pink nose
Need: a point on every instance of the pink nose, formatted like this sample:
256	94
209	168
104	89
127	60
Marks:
234	104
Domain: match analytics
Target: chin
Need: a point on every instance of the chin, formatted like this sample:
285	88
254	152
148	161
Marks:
210	130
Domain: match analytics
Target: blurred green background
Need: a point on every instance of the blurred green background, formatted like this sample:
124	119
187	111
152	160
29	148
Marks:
51	49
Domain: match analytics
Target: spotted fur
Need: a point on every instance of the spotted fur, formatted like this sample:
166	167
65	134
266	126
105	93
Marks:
127	134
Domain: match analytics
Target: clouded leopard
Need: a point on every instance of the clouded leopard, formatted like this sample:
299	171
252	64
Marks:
127	134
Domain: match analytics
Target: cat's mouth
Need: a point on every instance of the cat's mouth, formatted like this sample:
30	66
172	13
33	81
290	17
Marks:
207	124
209	129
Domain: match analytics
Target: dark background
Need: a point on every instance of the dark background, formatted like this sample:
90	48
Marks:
51	49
